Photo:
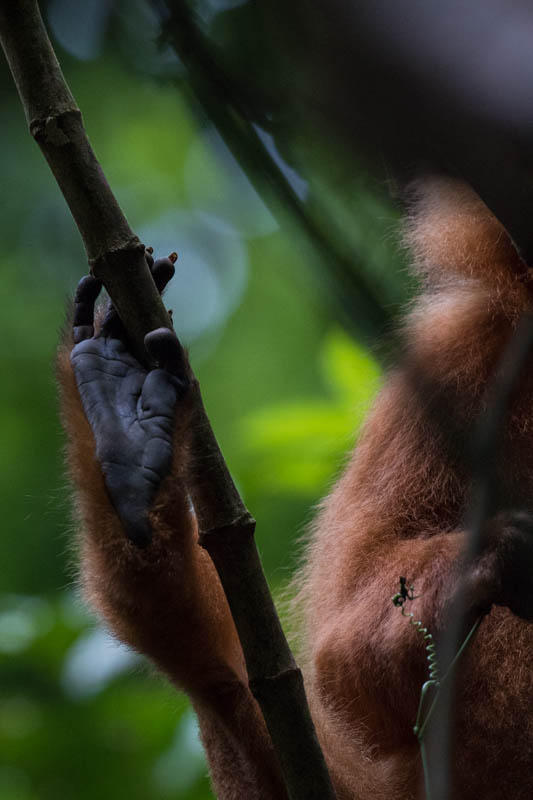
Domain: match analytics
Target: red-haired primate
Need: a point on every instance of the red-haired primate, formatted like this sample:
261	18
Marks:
397	510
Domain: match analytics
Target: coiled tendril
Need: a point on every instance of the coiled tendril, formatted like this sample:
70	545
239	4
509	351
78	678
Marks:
399	600
434	680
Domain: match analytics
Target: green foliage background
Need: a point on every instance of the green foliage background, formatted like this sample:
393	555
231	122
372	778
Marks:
285	385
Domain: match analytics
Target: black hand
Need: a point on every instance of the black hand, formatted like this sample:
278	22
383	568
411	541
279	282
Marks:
130	408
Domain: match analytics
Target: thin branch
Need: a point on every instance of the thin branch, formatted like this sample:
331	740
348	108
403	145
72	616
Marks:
485	450
362	311
226	528
409	90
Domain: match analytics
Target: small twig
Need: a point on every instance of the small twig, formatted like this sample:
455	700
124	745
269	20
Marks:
117	257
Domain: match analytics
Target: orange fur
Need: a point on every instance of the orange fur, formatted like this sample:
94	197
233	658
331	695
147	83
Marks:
397	510
166	601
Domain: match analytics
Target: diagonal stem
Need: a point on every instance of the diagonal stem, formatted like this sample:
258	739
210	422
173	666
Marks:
226	528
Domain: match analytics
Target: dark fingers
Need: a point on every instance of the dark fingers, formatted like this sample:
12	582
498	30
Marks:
112	327
164	348
148	254
163	270
83	321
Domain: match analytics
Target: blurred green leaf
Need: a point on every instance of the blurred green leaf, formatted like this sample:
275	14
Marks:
299	446
350	370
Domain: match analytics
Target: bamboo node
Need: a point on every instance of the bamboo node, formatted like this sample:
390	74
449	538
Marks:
236	531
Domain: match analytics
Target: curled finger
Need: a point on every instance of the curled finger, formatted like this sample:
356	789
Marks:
87	291
163	270
165	349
